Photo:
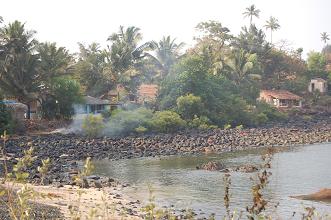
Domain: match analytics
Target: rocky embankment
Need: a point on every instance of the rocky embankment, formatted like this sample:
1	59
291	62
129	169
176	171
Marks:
65	150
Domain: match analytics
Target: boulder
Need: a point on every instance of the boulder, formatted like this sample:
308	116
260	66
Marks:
212	166
322	195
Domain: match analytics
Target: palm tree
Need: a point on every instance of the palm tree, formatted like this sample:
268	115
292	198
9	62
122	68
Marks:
19	73
251	12
125	50
325	37
273	25
239	66
126	54
167	52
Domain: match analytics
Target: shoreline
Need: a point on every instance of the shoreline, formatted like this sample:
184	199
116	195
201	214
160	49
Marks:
67	151
108	201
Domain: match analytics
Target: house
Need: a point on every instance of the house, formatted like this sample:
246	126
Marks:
280	98
147	93
92	106
118	95
318	84
18	110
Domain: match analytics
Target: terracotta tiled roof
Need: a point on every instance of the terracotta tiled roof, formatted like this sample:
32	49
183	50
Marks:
281	94
148	90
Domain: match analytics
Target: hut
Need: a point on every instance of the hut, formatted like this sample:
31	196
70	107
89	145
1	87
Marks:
92	105
18	110
280	98
318	84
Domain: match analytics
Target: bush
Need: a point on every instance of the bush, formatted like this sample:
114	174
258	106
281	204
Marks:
141	130
167	122
201	123
227	126
93	125
239	127
261	118
272	113
189	106
106	114
6	120
126	122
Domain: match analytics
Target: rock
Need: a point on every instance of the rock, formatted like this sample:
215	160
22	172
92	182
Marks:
97	184
322	195
93	177
248	168
212	166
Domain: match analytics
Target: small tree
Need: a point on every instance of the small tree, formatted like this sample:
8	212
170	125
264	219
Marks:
189	105
93	125
65	92
167	122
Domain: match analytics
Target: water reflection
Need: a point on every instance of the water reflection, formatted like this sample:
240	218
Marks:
299	170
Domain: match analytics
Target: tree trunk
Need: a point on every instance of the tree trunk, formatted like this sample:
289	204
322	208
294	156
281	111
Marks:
28	114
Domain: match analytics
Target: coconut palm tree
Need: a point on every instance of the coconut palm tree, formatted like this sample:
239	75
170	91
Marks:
239	67
167	52
126	54
19	73
273	25
325	37
251	12
124	50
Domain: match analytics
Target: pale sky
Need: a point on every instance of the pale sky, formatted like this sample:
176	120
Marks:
67	22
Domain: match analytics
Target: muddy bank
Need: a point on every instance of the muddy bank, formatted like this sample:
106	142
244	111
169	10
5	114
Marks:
65	151
69	202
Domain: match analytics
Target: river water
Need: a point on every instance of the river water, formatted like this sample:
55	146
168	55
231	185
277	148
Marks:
176	181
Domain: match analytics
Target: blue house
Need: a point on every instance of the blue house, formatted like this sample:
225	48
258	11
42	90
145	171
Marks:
93	105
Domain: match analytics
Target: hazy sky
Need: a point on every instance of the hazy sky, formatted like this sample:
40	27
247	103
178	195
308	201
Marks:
70	21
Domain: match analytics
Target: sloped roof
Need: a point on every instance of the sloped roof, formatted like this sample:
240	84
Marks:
14	104
148	90
319	79
281	94
95	101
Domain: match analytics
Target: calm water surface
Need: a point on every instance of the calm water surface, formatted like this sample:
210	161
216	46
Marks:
175	180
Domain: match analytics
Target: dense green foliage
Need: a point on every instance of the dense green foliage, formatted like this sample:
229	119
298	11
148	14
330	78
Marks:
216	82
189	106
6	120
167	122
93	125
128	122
65	92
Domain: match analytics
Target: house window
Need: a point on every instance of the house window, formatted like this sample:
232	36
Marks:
313	87
296	103
283	102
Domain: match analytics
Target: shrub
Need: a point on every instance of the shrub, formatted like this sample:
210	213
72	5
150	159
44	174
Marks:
106	114
6	120
189	105
141	129
126	122
201	123
239	127
261	118
93	125
227	126
272	113
167	122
